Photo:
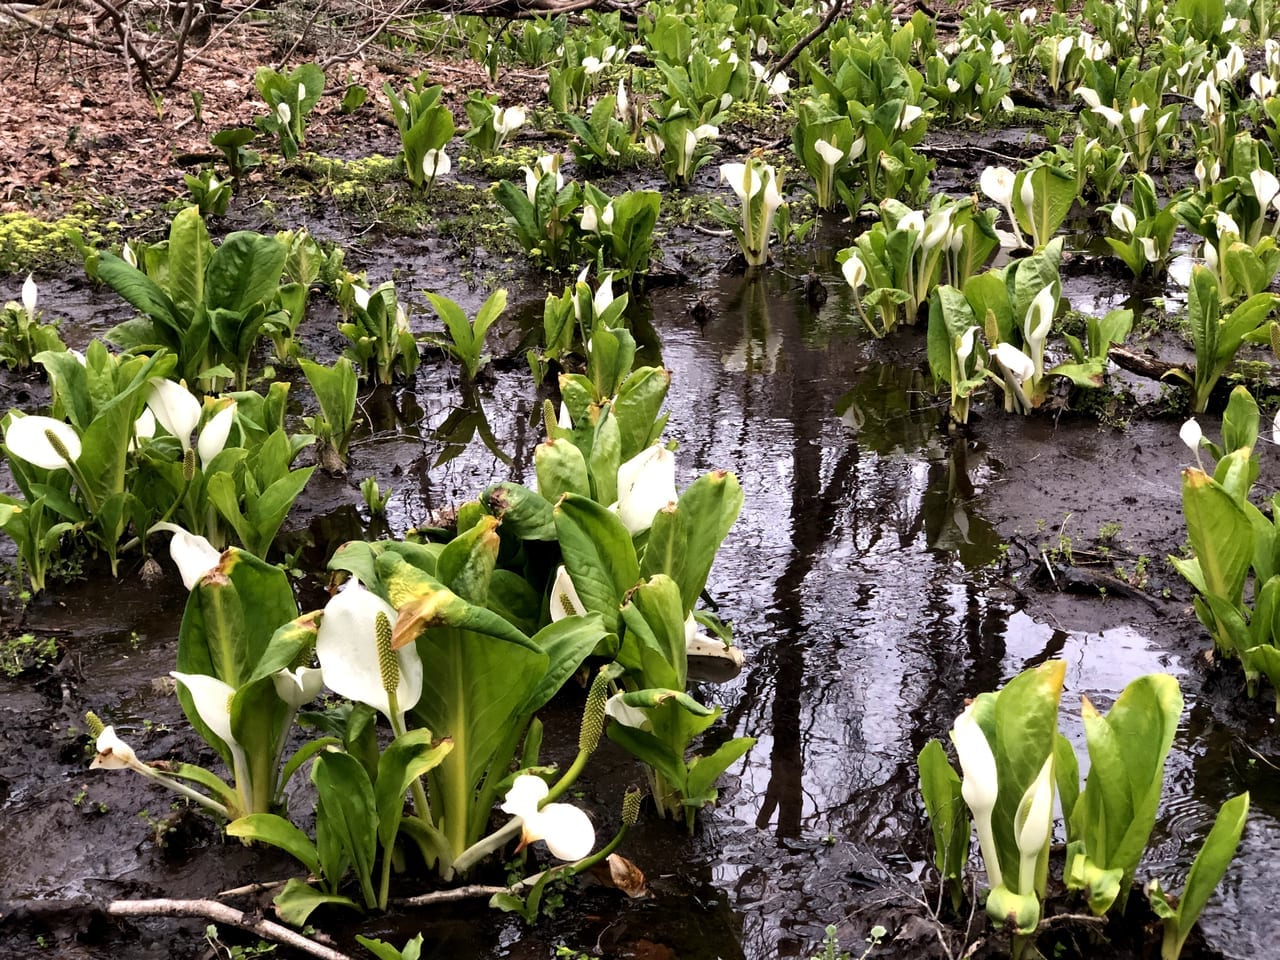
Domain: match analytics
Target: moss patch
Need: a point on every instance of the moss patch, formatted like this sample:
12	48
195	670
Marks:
28	243
18	655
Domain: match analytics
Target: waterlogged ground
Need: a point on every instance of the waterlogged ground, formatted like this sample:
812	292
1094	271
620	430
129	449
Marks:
883	570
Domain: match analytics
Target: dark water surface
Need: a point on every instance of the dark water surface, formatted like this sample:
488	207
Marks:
877	578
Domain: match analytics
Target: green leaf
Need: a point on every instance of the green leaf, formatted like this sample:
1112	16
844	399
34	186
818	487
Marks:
599	555
1220	534
704	771
279	832
1117	810
297	901
560	468
385	951
244	271
141	293
1020	722
654	645
637	406
683	541
190	250
408	757
350	814
473	689
1206	873
566	643
524	513
948	816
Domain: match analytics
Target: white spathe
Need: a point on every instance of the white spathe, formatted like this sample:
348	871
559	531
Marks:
213	438
979	785
436	163
830	154
567	831
193	554
1018	364
855	271
646	484
1124	219
743	178
347	647
28	439
298	687
29	293
1265	187
175	408
565	601
997	184
508	120
626	715
212	699
113	753
1191	435
1034	824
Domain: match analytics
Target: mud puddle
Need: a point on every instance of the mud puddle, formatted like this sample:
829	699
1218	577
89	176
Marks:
883	570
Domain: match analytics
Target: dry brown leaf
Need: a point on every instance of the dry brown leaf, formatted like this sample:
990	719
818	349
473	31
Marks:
626	876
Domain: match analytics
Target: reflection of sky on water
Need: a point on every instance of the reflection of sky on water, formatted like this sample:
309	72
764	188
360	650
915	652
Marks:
857	585
859	580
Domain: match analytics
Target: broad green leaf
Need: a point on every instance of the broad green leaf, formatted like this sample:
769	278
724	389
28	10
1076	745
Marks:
407	757
566	643
683	541
524	514
1220	532
1206	873
561	468
385	951
473	688
948	815
141	293
244	271
350	812
599	555
654	645
279	832
467	562
1020	722
297	901
703	771
190	250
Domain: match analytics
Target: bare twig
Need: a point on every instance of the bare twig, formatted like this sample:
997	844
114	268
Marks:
249	888
221	913
355	52
808	38
204	909
457	893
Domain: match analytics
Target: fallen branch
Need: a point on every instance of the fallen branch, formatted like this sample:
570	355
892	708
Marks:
776	68
1143	364
457	893
202	909
221	913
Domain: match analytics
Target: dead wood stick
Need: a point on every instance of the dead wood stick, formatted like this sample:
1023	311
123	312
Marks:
457	893
128	46
58	32
1143	365
41	911
221	913
776	68
356	50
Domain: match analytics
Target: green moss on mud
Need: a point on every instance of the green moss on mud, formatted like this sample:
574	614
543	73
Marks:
21	654
29	243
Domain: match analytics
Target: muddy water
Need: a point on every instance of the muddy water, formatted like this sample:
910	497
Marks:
881	572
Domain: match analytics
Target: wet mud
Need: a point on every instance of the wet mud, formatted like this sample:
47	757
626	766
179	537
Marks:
885	568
